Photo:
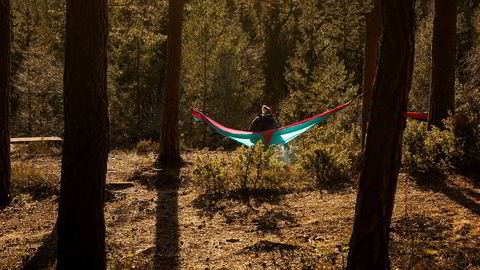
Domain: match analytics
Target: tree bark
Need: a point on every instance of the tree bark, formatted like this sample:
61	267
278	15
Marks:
444	46
5	169
373	28
378	179
170	145
81	224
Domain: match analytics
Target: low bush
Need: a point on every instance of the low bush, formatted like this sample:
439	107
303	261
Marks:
28	178
432	150
326	156
330	154
146	146
253	168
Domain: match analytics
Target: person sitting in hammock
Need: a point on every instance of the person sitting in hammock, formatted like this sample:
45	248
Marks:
264	121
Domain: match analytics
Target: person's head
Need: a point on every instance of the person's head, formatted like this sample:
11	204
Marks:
266	109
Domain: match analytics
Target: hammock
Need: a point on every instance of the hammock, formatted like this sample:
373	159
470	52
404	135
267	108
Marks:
417	116
274	136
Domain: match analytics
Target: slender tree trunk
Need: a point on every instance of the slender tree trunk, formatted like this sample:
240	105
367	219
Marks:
373	27
205	67
28	41
5	169
378	179
81	224
444	47
170	145
138	97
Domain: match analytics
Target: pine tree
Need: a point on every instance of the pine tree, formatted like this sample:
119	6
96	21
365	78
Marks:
5	167
81	223
136	69
221	69
378	180
373	26
170	142
317	78
444	48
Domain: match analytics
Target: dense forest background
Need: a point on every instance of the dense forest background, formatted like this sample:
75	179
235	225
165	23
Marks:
300	57
227	58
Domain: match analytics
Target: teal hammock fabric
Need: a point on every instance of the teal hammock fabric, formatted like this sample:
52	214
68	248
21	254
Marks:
274	136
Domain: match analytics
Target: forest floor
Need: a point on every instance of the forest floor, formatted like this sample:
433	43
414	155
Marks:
153	223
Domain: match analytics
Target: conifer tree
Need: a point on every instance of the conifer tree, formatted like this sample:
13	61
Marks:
5	167
444	48
81	222
170	142
378	180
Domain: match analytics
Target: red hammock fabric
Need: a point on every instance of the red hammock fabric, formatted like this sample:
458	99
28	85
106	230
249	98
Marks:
417	116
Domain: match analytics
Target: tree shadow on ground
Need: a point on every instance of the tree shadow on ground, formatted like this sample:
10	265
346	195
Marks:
336	186
46	255
166	235
438	182
166	183
211	203
270	221
422	242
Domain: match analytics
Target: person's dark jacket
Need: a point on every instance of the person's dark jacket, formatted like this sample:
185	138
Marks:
263	122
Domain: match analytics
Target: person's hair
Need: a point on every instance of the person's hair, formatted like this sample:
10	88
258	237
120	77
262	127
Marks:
266	109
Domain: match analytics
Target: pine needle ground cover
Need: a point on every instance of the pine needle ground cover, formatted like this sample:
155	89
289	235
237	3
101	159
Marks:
153	223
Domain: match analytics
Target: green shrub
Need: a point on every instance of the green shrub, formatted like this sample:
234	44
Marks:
260	167
210	171
146	146
443	148
330	154
326	155
467	126
253	168
432	150
414	155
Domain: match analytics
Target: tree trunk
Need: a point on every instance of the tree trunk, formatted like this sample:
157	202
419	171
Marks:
81	224
170	145
378	179
5	169
444	46
372	37
138	94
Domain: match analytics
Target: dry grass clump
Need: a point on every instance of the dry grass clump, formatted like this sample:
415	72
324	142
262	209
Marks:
30	178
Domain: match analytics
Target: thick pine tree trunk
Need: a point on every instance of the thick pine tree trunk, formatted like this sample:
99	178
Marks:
444	47
81	224
170	145
372	38
4	102
378	179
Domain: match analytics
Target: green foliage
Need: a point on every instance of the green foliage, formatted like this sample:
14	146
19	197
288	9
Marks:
210	171
321	72
260	167
136	69
146	146
37	69
419	98
414	155
221	71
443	147
330	154
431	150
303	57
467	124
254	168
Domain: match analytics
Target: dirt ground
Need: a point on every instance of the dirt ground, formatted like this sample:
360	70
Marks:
152	223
